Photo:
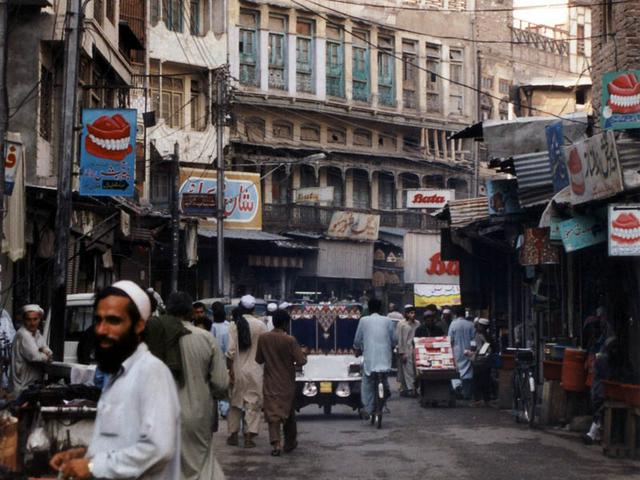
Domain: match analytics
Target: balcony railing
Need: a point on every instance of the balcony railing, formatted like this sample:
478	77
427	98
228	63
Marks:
315	218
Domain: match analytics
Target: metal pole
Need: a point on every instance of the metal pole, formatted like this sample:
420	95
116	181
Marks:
476	147
175	218
4	114
221	80
66	155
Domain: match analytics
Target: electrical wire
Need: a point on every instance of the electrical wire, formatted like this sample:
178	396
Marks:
453	82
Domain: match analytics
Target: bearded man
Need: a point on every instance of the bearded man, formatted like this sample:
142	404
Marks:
137	428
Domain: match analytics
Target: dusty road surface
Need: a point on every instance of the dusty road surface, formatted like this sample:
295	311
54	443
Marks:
417	443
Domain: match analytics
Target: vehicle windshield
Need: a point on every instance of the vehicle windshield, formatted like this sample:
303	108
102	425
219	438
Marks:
78	320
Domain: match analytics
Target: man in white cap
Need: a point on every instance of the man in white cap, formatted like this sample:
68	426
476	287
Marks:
480	355
29	352
245	375
272	307
137	428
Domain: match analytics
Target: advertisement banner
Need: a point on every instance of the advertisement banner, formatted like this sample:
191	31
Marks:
594	170
429	198
581	232
107	154
441	295
423	262
314	196
624	230
354	226
242	207
620	100
13	154
555	141
502	196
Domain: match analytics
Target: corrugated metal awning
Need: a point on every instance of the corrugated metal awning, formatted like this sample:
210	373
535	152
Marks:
344	259
465	212
235	234
629	157
533	170
294	245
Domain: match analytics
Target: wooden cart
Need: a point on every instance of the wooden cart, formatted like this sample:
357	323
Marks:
435	369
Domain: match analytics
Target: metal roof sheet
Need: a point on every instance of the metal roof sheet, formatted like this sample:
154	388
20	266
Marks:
465	212
533	170
235	234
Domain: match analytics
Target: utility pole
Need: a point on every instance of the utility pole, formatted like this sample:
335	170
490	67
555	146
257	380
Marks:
175	217
4	114
221	93
65	162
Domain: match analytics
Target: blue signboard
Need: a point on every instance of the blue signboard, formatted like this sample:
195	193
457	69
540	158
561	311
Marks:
502	196
581	232
107	152
621	100
555	140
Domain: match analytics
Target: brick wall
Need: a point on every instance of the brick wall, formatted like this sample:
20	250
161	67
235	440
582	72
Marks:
619	52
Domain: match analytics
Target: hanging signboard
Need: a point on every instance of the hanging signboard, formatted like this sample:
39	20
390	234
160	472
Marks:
423	262
581	232
440	295
537	248
13	154
624	230
621	100
354	226
242	207
502	196
107	156
555	140
594	170
429	198
314	195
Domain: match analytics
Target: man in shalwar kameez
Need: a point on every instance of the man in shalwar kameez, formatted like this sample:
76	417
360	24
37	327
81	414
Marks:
280	354
405	331
204	376
245	374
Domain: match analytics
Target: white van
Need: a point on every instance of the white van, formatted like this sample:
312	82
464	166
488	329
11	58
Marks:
79	313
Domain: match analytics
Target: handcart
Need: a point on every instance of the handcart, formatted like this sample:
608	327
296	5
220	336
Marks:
435	369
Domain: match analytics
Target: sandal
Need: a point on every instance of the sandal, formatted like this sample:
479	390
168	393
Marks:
276	452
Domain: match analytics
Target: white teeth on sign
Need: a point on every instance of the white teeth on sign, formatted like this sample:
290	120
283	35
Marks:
110	144
625	100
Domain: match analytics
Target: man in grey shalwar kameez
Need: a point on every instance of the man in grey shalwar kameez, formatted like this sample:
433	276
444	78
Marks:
204	380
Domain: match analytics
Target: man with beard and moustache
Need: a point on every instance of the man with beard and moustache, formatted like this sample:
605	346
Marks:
205	377
137	427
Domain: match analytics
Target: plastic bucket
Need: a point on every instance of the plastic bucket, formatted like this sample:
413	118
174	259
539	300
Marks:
574	374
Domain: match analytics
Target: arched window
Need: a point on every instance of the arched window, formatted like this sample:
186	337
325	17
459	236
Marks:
337	136
310	132
362	137
255	129
282	129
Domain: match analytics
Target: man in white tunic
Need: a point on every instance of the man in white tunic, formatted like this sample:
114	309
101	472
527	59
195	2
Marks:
405	331
204	376
29	352
245	374
137	428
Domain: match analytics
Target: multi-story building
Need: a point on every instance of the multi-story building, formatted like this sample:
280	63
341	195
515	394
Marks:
530	69
371	89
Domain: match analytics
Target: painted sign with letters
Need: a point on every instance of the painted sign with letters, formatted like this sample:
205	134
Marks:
621	100
624	230
314	195
107	153
594	170
13	155
354	226
423	262
581	232
555	140
429	198
242	207
440	295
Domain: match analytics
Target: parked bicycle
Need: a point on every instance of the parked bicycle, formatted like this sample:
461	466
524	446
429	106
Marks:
524	385
381	394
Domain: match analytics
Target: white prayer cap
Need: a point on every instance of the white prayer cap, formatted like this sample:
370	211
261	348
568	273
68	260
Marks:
446	311
476	320
408	306
32	307
137	295
248	302
483	321
284	305
272	307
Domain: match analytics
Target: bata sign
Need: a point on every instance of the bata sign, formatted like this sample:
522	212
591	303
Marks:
429	198
423	262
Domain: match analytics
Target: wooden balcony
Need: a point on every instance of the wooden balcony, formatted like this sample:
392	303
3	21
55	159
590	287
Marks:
315	218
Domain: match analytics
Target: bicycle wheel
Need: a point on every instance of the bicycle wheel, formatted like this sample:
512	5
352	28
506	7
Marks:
516	400
379	420
531	399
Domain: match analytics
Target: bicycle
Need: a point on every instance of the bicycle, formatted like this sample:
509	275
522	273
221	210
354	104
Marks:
381	394
524	385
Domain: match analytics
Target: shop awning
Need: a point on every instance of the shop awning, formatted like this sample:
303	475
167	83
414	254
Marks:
465	212
472	131
290	244
235	234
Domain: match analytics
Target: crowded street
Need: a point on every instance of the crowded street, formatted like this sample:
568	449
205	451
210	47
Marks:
435	443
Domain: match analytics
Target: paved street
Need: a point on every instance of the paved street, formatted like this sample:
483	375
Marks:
416	443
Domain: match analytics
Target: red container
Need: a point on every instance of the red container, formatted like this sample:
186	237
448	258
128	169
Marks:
615	391
508	362
574	374
552	370
632	395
